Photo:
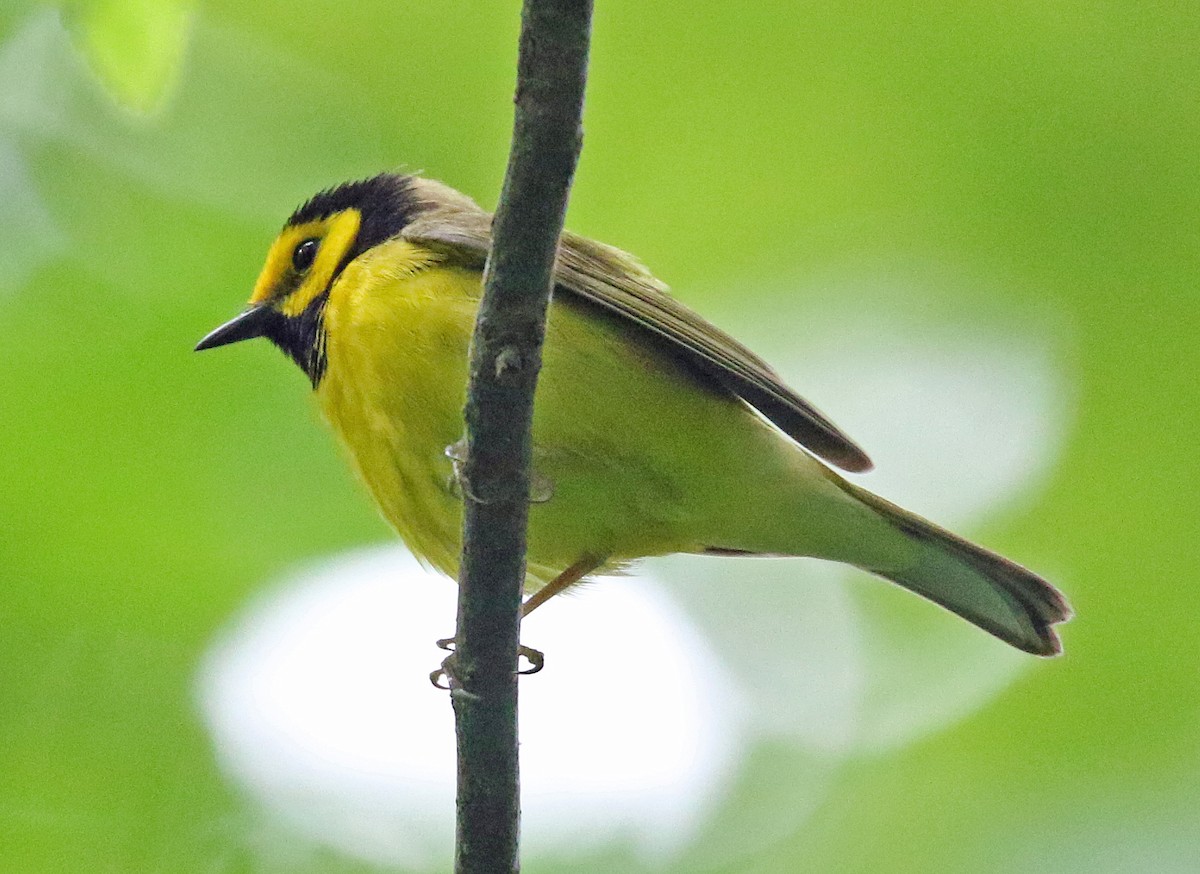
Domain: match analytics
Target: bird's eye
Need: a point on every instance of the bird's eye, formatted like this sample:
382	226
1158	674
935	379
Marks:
304	253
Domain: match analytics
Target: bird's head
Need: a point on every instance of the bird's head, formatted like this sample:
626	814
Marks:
317	242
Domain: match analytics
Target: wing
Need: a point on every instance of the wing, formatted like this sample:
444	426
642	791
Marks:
453	224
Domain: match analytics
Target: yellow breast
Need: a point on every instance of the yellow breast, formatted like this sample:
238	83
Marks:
398	324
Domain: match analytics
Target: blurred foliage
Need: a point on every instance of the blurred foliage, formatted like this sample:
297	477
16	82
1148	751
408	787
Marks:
1042	152
135	47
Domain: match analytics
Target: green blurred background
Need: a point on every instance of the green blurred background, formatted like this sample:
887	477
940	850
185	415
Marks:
1042	158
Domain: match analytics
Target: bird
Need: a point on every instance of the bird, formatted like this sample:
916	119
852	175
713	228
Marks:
654	432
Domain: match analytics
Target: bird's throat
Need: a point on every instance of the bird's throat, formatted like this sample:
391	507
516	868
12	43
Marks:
302	337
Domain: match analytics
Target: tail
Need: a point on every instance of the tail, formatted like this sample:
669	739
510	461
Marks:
998	595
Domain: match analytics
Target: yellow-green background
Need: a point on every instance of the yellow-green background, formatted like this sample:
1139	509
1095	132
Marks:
1048	147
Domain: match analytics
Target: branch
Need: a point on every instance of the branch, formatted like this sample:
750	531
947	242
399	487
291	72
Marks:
506	354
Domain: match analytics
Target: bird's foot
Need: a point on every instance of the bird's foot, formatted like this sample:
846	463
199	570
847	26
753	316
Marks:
457	483
446	670
535	657
541	487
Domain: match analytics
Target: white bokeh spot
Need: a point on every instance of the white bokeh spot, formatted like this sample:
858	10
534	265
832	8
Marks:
320	707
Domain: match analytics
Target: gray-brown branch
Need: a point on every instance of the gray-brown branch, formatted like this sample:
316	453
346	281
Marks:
505	359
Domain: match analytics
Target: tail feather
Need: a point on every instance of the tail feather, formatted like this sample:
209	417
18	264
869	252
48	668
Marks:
998	595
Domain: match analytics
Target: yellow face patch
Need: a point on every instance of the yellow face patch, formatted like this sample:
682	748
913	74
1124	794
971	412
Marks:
282	282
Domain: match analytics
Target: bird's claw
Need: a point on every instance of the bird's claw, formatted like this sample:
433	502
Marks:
535	657
445	672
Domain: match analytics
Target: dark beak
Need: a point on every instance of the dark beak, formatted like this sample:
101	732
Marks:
250	324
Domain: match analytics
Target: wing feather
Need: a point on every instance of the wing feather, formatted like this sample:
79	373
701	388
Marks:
454	225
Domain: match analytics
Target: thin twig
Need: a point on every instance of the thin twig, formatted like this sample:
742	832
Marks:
505	359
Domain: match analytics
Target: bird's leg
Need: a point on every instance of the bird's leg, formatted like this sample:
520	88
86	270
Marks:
536	659
566	579
563	581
